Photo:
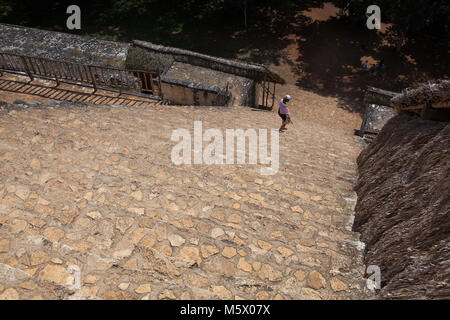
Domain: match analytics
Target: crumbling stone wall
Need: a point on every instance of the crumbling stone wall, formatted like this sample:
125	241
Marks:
62	46
182	92
403	207
375	117
141	59
239	68
378	110
199	83
240	87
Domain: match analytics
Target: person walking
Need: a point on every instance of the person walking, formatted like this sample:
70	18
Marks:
284	113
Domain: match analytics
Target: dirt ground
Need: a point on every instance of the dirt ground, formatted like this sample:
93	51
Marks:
316	51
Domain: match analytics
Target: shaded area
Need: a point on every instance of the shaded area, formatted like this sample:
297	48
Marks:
307	42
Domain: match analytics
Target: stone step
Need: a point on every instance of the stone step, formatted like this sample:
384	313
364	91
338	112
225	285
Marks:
253	205
148	274
106	197
244	264
16	284
211	179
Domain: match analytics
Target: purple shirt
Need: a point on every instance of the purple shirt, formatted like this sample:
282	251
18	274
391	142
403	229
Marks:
283	108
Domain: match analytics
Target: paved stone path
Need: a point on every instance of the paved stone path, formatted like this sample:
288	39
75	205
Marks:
94	189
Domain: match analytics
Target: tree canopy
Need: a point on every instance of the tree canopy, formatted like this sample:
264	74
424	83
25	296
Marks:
409	17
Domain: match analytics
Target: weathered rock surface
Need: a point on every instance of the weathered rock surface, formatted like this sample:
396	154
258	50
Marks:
403	207
107	214
62	46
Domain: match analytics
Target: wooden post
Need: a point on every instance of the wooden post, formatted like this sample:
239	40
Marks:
151	83
160	87
121	82
69	72
3	59
56	74
145	82
263	92
46	68
36	61
267	93
93	79
81	73
40	64
273	94
26	69
60	68
31	63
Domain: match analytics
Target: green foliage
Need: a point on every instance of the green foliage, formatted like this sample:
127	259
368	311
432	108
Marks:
174	16
5	10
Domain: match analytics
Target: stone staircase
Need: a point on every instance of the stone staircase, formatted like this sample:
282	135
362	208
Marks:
92	207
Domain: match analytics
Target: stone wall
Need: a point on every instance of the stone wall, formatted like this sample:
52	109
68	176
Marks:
375	117
403	207
239	87
68	47
378	110
240	68
245	75
181	92
62	46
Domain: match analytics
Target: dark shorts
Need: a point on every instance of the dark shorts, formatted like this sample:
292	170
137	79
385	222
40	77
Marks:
282	116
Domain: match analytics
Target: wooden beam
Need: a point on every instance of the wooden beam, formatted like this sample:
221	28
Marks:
93	79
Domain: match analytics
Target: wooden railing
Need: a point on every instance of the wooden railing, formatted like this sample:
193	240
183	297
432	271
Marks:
134	82
268	94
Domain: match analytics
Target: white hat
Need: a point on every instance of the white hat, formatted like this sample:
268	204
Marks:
288	97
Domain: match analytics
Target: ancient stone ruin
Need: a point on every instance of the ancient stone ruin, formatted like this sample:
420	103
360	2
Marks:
188	78
93	207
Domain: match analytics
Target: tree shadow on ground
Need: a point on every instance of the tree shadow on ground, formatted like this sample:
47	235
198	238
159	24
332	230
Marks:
321	55
325	56
330	59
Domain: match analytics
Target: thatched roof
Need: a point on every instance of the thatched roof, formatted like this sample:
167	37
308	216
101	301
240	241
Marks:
437	94
250	70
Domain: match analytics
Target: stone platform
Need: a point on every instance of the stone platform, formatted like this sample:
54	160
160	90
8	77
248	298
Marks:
90	192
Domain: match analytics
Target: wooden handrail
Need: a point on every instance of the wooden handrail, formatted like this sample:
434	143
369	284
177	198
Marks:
129	81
